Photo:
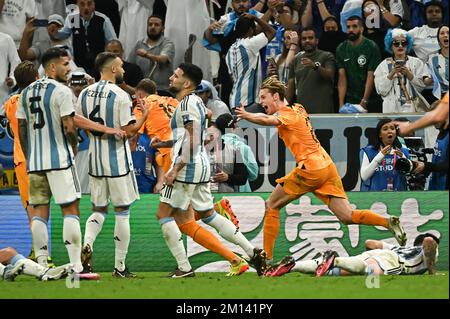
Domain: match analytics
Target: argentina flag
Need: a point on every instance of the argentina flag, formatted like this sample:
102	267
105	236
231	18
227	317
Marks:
351	8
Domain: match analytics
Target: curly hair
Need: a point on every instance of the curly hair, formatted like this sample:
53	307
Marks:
392	34
25	74
274	86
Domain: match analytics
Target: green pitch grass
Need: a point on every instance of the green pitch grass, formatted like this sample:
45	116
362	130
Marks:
217	286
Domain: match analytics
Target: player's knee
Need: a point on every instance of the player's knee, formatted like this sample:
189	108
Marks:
370	244
346	220
9	252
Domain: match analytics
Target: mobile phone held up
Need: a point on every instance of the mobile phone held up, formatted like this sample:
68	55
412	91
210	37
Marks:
40	23
399	63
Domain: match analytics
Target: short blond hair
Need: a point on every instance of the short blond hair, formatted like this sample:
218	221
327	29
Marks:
274	86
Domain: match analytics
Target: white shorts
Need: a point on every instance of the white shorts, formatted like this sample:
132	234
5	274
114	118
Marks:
122	190
386	259
62	184
180	195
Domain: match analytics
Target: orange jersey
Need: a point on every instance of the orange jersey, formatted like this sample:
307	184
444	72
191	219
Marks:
10	109
160	111
298	135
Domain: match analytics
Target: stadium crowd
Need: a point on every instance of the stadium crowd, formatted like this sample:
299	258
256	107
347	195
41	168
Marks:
333	56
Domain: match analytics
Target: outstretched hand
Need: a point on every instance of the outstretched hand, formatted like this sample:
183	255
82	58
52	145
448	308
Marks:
241	113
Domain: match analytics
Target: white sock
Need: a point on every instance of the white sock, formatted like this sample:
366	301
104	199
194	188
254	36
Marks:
30	267
2	269
72	240
354	265
307	266
174	240
39	233
122	238
94	226
33	269
227	230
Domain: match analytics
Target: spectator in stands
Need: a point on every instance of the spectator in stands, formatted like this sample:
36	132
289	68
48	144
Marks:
14	14
30	52
209	95
90	31
438	62
133	15
425	37
379	157
133	73
154	54
392	12
400	78
357	59
9	59
283	21
375	26
243	59
220	35
331	36
324	9
311	76
280	64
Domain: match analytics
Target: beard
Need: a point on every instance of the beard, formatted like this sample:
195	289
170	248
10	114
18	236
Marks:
353	36
119	79
61	78
173	90
154	37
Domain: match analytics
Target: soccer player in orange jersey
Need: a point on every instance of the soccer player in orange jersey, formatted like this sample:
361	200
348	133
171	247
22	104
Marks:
315	171
25	74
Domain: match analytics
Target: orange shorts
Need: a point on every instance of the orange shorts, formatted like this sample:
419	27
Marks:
23	182
164	161
324	183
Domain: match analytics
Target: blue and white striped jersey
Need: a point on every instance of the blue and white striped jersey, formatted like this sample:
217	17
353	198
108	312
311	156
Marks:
439	64
244	66
191	110
42	104
107	104
411	259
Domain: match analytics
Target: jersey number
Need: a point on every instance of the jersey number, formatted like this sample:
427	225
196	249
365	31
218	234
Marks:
35	108
98	119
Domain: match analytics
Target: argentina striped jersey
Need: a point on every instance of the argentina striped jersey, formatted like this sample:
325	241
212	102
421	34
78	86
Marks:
42	104
411	259
244	67
107	104
190	110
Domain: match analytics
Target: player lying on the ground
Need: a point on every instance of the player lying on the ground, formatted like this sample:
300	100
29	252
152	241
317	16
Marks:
380	259
13	264
315	171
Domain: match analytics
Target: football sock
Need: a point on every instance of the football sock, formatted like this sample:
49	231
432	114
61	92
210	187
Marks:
354	265
306	266
174	240
30	267
72	240
122	238
94	226
39	235
207	240
227	230
2	269
271	228
368	217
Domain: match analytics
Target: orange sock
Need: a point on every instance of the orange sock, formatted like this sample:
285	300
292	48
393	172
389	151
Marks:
207	240
367	217
271	228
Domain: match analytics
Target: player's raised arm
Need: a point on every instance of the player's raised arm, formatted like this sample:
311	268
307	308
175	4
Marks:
257	118
86	124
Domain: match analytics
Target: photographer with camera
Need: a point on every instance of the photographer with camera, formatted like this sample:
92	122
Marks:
400	79
379	159
439	164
